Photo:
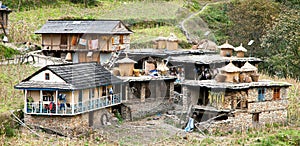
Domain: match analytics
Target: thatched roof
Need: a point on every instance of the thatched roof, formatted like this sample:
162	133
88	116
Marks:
172	38
226	45
207	44
230	68
125	60
248	67
240	48
160	38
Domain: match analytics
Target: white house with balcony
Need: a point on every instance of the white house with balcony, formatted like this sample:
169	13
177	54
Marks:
70	91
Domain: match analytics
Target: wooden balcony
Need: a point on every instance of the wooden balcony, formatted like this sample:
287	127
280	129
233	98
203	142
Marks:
50	108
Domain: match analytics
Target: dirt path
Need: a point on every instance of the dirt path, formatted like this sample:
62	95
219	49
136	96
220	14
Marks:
149	131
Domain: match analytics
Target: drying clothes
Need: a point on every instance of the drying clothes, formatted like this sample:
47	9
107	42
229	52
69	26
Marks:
190	126
82	42
90	44
74	40
95	44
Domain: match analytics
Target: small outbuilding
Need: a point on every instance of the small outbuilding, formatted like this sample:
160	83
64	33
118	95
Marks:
126	66
240	51
226	49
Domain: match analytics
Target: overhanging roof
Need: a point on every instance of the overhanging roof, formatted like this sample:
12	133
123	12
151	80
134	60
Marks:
76	76
83	26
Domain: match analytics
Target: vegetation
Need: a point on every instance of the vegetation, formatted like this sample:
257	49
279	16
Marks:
6	52
273	25
10	75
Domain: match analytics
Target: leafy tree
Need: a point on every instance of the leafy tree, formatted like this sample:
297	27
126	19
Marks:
249	20
281	45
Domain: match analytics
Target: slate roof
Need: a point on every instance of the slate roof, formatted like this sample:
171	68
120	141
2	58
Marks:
224	85
76	76
83	26
210	58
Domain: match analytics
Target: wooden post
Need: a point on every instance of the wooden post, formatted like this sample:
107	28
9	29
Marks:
143	92
56	108
73	102
25	101
41	101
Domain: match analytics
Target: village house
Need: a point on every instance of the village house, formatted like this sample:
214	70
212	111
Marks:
70	96
148	90
84	40
4	12
235	102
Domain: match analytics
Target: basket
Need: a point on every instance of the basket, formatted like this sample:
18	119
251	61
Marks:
255	77
220	78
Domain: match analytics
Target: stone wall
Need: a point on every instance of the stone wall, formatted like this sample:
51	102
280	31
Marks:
267	105
148	108
244	120
69	125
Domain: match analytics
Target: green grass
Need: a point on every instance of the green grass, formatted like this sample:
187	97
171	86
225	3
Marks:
10	75
145	10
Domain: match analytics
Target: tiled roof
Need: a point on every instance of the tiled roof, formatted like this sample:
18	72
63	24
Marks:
76	76
83	26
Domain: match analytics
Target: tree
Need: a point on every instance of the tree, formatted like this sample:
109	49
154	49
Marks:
281	45
249	19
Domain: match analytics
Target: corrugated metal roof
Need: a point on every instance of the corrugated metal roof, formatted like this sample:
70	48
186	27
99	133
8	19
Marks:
76	76
83	26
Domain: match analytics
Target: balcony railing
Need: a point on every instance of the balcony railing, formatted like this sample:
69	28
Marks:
50	107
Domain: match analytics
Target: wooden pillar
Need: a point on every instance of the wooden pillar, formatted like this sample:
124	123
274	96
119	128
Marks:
158	86
171	90
56	95
126	92
73	102
143	92
25	101
185	98
121	93
41	101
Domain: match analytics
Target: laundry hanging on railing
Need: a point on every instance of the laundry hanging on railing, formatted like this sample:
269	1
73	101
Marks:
74	40
82	42
93	44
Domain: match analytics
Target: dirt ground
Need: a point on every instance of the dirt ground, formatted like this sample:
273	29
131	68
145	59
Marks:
155	130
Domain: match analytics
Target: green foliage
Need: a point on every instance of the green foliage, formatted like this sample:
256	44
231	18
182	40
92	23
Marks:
217	19
7	52
249	20
10	75
281	46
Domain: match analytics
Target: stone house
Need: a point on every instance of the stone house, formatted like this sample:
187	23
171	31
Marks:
236	105
70	96
84	40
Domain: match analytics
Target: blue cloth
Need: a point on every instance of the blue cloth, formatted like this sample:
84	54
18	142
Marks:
190	126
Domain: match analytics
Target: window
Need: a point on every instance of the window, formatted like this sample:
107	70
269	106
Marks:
47	76
276	94
261	94
255	117
121	41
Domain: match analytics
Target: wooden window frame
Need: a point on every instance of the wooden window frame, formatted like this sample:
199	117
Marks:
276	94
47	76
121	39
261	94
255	117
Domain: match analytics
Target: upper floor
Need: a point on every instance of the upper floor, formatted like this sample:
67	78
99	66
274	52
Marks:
85	35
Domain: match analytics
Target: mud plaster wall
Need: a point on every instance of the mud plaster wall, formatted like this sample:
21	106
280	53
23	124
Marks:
67	125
